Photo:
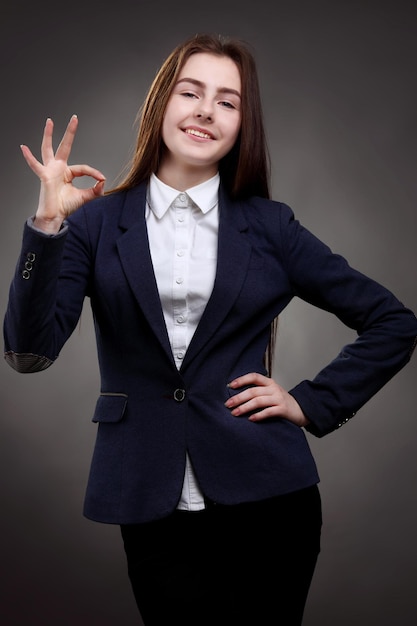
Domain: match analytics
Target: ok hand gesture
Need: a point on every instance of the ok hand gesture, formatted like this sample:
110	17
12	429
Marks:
58	196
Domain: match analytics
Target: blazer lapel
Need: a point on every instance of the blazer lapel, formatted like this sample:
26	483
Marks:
234	252
133	247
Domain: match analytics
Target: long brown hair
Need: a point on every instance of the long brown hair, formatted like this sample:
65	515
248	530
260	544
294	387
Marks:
245	170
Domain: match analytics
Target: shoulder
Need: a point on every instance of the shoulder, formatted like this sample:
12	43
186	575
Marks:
268	207
269	214
254	207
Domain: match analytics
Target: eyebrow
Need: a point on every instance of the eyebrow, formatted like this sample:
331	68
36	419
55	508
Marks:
198	83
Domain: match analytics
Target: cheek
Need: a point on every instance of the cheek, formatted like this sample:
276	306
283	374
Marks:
174	116
167	126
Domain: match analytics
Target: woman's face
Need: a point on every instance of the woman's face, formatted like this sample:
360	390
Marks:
203	115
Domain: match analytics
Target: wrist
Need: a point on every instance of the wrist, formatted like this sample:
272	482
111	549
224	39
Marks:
50	226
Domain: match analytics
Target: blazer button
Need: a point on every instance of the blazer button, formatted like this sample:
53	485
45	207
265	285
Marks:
179	395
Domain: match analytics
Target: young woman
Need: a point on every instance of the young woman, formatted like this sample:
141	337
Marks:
201	456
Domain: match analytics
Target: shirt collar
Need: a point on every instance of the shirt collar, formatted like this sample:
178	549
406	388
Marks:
161	196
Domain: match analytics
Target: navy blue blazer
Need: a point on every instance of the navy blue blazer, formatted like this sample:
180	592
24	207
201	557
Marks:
148	412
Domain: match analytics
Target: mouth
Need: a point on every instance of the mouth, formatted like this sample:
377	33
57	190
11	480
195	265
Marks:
195	132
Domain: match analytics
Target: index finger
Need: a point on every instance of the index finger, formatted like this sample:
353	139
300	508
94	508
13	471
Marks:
252	378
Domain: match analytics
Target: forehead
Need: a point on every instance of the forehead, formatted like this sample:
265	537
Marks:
212	69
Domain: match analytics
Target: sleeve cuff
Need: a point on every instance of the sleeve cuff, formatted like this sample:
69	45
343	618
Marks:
62	230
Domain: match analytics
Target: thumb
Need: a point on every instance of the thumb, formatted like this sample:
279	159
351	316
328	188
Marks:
92	192
98	189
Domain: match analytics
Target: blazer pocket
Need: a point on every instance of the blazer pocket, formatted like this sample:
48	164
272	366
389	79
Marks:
110	407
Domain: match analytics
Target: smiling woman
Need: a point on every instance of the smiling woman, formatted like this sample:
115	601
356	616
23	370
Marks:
201	455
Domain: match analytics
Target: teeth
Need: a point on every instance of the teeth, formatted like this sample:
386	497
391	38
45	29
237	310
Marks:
197	133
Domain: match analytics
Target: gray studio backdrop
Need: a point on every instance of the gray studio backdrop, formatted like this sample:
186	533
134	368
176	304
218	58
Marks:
339	86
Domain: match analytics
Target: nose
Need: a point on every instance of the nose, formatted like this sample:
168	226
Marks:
204	112
205	116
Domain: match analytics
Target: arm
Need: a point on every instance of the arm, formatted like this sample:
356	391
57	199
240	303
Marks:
37	323
386	330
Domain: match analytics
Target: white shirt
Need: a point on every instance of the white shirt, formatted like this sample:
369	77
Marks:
182	231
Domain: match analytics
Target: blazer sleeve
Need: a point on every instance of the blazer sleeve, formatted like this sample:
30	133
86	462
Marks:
386	329
38	320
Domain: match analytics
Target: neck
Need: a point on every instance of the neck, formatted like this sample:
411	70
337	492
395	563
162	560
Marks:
183	178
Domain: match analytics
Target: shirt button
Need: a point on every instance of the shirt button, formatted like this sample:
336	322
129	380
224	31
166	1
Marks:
182	197
180	319
180	355
179	280
180	252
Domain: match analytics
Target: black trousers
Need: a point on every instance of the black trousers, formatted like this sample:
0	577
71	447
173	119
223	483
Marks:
248	564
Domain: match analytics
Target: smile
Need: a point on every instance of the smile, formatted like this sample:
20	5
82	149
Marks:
198	133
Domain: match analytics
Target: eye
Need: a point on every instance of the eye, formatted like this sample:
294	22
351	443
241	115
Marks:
227	105
188	94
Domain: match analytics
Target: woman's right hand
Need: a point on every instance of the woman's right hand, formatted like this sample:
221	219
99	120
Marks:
58	196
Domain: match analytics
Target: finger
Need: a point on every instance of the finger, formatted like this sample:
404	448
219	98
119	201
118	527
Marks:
64	149
94	192
253	378
47	151
98	188
259	406
33	163
266	413
244	396
249	401
86	170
